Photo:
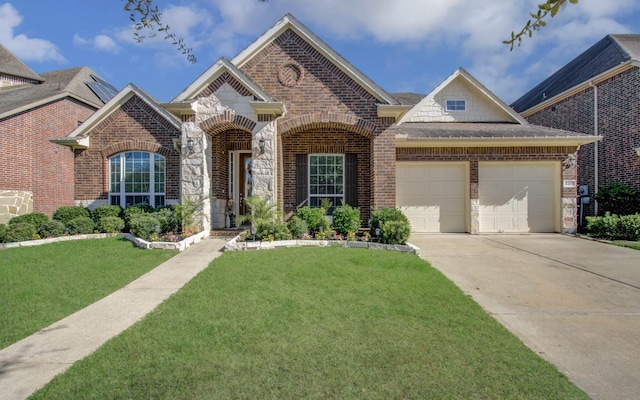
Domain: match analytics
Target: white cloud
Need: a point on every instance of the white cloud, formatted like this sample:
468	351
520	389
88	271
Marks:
24	47
99	42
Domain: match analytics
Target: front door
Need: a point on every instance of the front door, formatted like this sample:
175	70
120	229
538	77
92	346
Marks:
245	182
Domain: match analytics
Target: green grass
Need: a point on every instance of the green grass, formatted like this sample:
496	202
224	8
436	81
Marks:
315	323
40	285
631	245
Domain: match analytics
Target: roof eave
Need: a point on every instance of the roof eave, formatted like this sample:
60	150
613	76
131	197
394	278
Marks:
405	141
75	143
582	86
393	110
47	100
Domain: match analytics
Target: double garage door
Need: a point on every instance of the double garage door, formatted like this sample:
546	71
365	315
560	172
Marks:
513	197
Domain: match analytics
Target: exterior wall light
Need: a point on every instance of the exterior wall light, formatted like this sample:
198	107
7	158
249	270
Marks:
261	144
188	148
637	149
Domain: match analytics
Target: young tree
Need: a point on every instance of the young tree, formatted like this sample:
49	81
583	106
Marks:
549	8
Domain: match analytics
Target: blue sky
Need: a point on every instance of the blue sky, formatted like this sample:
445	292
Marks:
403	45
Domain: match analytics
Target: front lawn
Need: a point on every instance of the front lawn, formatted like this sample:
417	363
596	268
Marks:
315	323
40	285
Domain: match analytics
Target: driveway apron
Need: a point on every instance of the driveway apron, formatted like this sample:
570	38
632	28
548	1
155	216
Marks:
573	301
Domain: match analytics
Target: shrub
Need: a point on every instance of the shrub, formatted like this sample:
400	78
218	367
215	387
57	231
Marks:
618	199
612	227
130	212
34	218
3	231
65	214
105	211
297	227
346	219
274	230
168	219
20	232
81	226
395	232
315	218
379	217
110	224
144	226
51	228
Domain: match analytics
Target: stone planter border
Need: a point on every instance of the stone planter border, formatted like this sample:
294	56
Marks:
38	242
235	245
180	246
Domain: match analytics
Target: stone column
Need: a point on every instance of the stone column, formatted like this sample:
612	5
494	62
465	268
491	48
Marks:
264	164
195	171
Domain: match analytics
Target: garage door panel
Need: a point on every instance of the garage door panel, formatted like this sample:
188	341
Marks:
517	197
432	196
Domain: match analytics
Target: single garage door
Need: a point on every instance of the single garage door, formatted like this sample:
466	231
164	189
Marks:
432	195
518	197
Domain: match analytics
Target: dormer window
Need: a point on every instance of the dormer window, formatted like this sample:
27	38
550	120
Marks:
456	105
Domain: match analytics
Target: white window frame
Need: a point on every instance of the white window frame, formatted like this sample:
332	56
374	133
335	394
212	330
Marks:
335	197
122	194
457	104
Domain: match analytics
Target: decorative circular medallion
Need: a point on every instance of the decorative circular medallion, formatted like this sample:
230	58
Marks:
290	74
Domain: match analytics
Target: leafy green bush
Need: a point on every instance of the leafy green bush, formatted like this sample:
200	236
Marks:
110	224
105	211
612	227
297	227
395	232
274	229
144	225
51	228
34	218
618	199
65	214
380	216
81	226
168	219
3	231
315	218
20	232
346	219
130	212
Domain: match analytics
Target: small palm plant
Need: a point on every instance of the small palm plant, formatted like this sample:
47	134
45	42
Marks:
262	209
189	212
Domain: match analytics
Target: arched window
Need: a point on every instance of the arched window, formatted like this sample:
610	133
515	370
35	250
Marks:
137	177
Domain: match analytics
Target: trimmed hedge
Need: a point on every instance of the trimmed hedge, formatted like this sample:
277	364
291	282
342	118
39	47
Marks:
34	218
106	211
20	232
110	224
144	226
315	218
51	228
612	227
346	219
65	214
393	225
81	226
618	199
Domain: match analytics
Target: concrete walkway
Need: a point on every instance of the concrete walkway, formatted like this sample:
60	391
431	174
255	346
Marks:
573	301
31	363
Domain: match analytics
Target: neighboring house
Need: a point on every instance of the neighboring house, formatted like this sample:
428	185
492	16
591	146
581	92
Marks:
598	92
35	174
290	119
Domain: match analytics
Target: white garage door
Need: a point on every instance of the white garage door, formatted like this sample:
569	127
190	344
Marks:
432	195
518	197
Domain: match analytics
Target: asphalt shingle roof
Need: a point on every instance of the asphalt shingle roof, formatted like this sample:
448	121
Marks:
11	65
68	81
606	54
479	130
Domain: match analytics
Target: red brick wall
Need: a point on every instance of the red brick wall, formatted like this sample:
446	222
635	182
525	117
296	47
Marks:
29	161
292	71
134	126
618	123
222	144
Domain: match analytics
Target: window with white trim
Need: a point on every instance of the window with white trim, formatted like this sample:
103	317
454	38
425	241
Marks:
326	179
137	177
456	105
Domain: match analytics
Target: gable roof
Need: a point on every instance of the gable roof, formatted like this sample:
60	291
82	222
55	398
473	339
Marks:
56	85
610	54
11	65
212	73
290	22
462	74
79	139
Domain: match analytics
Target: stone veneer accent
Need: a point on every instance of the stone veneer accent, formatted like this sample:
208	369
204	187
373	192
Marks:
14	203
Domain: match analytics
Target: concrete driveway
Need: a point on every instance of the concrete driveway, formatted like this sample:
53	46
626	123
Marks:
575	302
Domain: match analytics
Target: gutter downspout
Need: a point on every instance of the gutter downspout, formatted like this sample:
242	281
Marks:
595	146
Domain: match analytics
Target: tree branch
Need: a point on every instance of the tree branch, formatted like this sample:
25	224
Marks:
549	8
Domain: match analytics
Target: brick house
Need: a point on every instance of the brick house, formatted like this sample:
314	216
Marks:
290	119
598	93
35	174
